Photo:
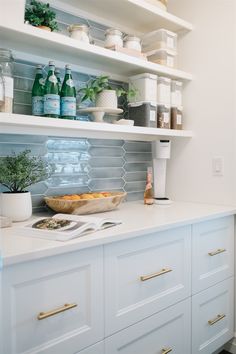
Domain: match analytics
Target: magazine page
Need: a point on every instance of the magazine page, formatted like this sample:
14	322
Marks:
101	223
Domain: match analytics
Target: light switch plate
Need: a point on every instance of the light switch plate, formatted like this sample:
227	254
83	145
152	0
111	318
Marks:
218	166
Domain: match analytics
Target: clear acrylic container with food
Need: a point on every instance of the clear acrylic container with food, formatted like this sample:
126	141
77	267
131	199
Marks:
160	39
176	93
163	90
163	116
145	86
163	57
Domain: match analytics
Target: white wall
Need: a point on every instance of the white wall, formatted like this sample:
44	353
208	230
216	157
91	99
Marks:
207	52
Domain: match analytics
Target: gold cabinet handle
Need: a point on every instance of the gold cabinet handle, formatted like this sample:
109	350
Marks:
166	350
150	276
214	253
217	319
43	315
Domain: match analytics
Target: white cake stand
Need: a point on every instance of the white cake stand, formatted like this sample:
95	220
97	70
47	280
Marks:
99	112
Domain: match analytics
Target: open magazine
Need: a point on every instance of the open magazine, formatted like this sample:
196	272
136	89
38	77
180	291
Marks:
64	227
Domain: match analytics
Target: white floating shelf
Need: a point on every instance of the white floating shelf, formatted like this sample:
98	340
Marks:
26	38
30	125
135	16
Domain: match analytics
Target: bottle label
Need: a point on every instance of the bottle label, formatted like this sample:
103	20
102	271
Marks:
70	83
42	81
6	87
53	79
179	119
37	106
52	104
68	106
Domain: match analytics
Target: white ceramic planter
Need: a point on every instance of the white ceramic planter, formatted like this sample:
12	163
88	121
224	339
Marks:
107	98
17	206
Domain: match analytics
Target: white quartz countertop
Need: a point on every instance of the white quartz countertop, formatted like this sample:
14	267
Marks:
137	219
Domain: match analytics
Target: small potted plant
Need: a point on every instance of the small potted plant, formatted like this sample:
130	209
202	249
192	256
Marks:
40	15
101	93
17	173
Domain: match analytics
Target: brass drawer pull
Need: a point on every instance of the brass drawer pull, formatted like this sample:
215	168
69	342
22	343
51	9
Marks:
214	253
162	272
166	350
217	319
43	315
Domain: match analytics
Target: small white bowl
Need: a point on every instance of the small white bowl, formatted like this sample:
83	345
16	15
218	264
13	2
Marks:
124	122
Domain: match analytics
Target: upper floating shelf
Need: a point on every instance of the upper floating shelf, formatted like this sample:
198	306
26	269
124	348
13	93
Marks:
136	16
30	125
29	39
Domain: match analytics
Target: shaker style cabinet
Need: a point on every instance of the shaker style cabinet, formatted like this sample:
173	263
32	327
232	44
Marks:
165	332
130	296
54	305
146	275
213	252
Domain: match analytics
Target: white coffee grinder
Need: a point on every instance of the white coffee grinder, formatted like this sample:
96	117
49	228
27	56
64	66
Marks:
160	155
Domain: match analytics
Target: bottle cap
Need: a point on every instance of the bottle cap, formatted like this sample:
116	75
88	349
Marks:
68	66
51	63
57	71
39	66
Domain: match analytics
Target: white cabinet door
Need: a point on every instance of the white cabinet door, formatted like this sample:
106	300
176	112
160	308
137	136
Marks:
145	275
213	317
94	349
48	285
168	331
213	252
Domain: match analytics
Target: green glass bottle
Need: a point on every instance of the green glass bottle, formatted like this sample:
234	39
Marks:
58	75
68	96
51	94
38	92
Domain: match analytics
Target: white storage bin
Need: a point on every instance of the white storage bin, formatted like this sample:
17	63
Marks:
160	39
163	57
176	93
146	86
163	90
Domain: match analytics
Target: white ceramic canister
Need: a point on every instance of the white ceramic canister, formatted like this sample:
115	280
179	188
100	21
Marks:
79	32
113	37
133	42
16	206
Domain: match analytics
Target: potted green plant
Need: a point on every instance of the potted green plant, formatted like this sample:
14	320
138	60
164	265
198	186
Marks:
100	92
40	15
17	173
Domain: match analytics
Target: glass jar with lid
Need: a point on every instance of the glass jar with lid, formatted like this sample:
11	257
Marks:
79	32
6	80
113	37
133	42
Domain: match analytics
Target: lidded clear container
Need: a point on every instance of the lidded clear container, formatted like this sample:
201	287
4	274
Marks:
113	37
6	80
165	57
79	32
133	42
160	39
163	90
176	93
163	116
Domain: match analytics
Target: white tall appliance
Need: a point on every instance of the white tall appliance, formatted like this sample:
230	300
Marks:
160	154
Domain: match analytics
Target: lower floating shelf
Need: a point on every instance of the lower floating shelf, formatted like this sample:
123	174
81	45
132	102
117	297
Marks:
30	125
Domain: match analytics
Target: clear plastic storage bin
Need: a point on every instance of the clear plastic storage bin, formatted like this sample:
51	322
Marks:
176	118
144	114
176	93
163	116
163	90
146	86
160	39
163	57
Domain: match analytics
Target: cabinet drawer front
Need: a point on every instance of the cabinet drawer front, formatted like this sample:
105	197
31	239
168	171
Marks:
94	349
35	295
212	316
145	275
167	331
213	252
